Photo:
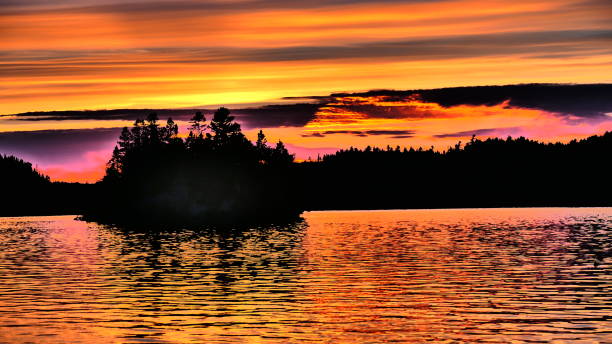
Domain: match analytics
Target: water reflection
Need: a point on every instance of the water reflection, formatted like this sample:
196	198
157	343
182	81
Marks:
498	275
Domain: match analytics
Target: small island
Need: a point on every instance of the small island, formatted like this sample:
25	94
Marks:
214	175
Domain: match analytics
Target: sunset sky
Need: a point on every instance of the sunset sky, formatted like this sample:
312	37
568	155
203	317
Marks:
244	54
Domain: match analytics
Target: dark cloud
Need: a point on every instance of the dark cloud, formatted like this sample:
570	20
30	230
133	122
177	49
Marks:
589	100
292	115
116	114
483	132
363	133
389	132
289	115
315	134
579	100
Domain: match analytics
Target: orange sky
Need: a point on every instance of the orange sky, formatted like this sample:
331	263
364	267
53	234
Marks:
105	54
108	54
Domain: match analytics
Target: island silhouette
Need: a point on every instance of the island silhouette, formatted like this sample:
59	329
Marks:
217	176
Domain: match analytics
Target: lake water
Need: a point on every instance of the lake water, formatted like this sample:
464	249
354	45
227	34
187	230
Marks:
474	275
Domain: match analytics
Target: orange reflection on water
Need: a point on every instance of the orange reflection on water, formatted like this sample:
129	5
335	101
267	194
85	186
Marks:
448	275
496	275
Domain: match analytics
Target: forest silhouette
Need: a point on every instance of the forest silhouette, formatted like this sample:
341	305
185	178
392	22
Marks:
511	172
25	191
216	175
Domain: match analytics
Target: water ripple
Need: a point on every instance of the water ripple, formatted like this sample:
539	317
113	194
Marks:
481	275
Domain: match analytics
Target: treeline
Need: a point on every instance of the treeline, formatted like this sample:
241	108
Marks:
18	181
494	172
214	175
16	171
26	191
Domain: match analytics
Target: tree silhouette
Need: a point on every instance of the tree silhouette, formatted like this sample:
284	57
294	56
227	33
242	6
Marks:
26	191
224	129
151	132
215	173
170	132
281	156
263	150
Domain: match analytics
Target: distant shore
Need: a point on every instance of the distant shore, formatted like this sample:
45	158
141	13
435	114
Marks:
236	181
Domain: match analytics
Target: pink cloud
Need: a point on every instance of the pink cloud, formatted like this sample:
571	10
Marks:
89	168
